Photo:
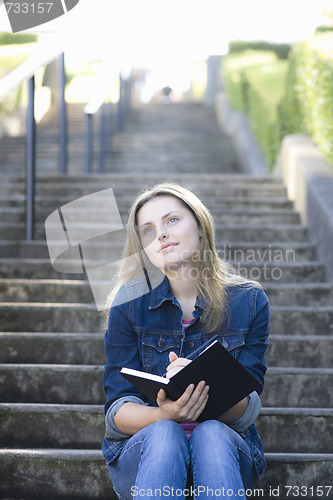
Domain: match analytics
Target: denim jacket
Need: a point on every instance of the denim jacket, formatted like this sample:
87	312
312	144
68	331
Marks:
146	324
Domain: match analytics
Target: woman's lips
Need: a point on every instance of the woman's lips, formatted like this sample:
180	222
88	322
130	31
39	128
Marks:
168	246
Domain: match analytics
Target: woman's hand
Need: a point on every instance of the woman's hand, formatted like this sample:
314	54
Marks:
176	364
191	403
187	408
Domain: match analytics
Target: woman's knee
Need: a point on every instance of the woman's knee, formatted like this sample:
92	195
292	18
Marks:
213	431
166	428
210	429
167	436
165	441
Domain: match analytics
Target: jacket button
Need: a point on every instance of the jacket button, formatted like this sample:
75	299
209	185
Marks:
191	344
160	343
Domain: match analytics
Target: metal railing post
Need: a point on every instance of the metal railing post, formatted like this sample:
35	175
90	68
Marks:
31	162
110	128
89	143
111	119
63	117
121	105
129	95
101	141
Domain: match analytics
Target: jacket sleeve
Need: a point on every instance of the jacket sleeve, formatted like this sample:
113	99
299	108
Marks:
249	416
121	349
111	430
252	355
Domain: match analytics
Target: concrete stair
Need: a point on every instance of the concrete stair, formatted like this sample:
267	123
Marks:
51	338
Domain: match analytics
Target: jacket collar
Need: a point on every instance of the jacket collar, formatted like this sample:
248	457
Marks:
163	292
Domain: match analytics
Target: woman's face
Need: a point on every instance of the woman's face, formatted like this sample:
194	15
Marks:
169	233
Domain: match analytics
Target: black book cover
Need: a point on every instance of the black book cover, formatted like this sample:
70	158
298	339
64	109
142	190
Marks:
228	379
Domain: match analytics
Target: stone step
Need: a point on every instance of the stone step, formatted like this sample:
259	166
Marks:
231	216
82	426
77	190
295	430
55	474
298	387
302	320
126	192
33	269
49	204
229	233
130	184
307	351
52	348
193	180
267	272
55	290
300	294
48	317
300	335
51	290
290	475
264	272
68	317
20	383
253	251
83	474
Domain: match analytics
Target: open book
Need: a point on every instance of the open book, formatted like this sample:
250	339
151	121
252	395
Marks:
228	379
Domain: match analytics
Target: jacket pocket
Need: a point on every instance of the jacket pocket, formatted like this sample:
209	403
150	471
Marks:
156	347
233	341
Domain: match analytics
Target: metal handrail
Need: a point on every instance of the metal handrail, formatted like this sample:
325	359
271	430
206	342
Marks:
97	103
26	72
42	57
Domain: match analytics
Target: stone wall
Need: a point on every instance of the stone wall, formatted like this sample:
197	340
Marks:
309	181
237	125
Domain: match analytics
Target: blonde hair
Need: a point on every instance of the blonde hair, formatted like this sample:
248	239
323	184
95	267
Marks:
213	275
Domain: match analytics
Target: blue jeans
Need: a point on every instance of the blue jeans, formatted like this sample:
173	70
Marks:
155	462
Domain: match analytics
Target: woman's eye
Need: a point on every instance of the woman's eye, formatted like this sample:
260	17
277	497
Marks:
172	219
148	230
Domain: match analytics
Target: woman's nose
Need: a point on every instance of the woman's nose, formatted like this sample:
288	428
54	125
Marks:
161	232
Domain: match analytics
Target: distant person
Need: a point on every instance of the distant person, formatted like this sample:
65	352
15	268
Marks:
165	94
166	91
173	293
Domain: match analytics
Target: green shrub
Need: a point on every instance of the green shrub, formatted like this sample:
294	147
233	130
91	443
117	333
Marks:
280	49
285	97
255	83
17	38
307	106
323	29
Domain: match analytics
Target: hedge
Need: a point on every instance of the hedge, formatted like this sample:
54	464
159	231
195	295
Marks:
323	29
280	49
283	97
307	106
17	38
255	82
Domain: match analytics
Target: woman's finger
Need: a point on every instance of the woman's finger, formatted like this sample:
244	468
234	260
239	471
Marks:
177	365
161	397
172	356
192	399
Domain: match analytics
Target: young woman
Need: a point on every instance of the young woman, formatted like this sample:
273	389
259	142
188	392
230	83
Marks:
173	293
